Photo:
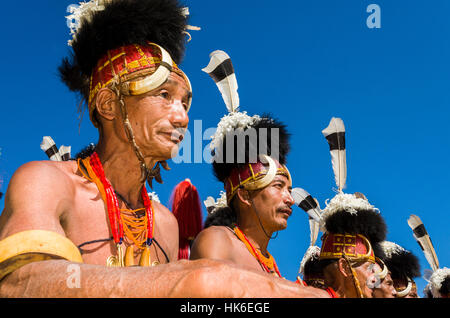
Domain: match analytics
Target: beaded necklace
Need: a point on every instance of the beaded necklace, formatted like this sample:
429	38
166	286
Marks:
116	218
268	263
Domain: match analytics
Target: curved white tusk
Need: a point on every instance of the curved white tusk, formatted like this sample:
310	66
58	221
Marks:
156	79
367	245
405	291
384	272
267	179
289	175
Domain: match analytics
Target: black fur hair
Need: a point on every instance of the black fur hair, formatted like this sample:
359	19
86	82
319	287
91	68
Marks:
313	267
221	217
86	151
445	289
223	170
403	265
123	22
365	222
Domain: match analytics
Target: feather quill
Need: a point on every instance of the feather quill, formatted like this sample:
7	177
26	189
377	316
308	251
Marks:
310	205
64	152
335	135
424	240
221	71
49	147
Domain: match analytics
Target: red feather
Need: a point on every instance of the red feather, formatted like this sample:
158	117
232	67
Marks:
187	209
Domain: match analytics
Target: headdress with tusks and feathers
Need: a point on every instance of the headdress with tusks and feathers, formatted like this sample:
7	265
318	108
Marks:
144	29
438	278
348	214
236	124
403	265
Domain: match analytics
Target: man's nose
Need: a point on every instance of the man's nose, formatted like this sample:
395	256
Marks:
289	199
178	115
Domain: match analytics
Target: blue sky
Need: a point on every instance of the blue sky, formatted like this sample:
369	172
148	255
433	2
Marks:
303	61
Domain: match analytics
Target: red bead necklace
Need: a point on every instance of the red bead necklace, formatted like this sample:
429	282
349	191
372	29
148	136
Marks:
112	204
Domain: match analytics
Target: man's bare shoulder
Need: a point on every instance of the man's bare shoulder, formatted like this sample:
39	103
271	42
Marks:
213	242
44	170
165	215
37	194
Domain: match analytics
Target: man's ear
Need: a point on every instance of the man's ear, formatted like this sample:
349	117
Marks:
106	104
244	196
344	267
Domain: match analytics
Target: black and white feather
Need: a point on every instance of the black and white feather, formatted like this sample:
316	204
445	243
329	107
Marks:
54	154
335	135
221	71
310	205
424	240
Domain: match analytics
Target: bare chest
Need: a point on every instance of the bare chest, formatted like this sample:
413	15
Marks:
88	226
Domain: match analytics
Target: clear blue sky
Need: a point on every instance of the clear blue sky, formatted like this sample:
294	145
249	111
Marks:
303	61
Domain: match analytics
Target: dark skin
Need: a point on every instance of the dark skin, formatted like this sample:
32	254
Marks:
75	210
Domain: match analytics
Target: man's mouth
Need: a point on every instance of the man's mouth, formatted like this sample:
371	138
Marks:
287	211
175	135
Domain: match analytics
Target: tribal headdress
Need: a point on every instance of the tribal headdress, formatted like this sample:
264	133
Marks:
438	278
351	225
129	46
248	152
403	265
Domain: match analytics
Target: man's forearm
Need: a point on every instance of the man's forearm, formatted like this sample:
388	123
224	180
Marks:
203	278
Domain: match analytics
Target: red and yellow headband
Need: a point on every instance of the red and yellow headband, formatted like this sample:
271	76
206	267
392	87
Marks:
135	69
354	247
255	176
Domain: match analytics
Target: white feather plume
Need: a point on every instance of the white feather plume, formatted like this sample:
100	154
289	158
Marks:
436	280
338	157
424	241
228	86
313	252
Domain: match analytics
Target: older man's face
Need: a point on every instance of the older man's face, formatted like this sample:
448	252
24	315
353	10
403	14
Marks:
159	118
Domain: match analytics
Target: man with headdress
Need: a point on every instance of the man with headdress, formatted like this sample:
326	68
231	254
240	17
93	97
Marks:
259	202
403	267
80	216
250	160
352	226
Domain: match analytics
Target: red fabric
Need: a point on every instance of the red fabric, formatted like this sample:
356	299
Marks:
186	207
